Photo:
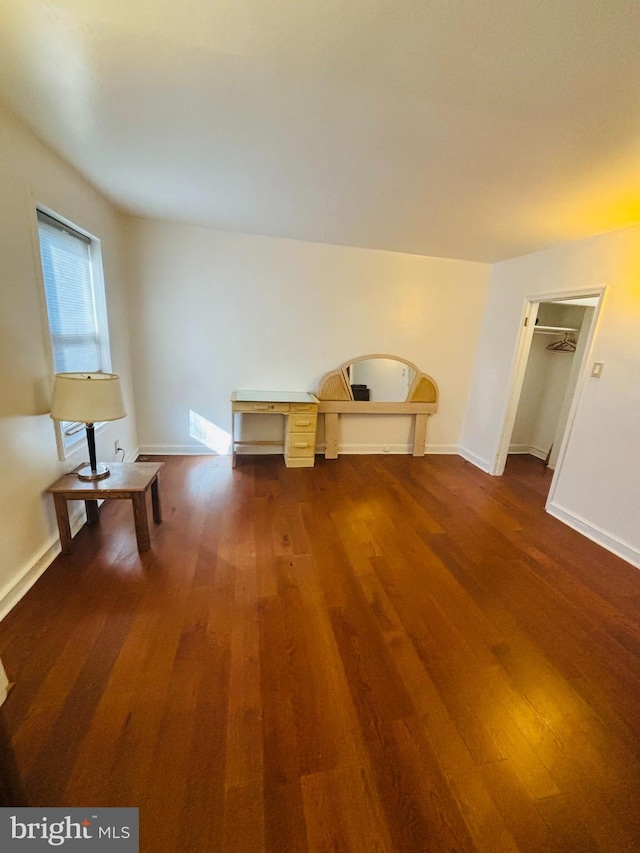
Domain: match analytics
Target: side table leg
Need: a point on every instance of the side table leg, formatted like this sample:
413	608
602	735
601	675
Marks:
62	517
139	500
155	502
93	513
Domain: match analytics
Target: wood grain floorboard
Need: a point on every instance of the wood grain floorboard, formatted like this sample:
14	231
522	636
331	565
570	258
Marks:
381	654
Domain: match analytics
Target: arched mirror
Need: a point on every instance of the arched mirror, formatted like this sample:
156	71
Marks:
380	379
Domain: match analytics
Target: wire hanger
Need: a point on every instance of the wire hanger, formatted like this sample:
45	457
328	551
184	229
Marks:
567	344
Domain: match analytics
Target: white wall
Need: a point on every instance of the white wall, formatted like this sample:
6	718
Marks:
30	173
217	311
598	488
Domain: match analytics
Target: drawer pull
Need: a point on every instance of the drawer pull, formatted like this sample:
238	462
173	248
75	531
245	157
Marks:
301	444
303	423
263	408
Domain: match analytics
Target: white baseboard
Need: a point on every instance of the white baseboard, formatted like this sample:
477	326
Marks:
390	449
261	450
176	450
528	449
596	534
34	568
538	452
370	449
478	461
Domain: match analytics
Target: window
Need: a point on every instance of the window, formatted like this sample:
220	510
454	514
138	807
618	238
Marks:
74	293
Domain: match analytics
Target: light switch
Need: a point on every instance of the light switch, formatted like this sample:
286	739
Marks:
596	370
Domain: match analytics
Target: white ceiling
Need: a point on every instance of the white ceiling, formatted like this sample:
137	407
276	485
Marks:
477	129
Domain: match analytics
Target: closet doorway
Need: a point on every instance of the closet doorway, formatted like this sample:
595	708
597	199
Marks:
550	368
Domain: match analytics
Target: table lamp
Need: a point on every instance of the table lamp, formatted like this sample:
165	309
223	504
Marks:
88	398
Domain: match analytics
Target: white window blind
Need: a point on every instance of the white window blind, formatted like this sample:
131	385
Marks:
74	294
69	291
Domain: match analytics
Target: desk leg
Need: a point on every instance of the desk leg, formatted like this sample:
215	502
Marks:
155	502
62	517
139	500
420	435
93	513
233	439
331	435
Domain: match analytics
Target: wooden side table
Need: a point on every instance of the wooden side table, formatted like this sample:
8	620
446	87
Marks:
127	481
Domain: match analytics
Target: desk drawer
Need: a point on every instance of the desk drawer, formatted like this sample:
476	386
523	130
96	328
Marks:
301	422
304	407
300	444
261	407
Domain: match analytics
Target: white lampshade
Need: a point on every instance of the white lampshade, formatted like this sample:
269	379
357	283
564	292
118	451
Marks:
87	397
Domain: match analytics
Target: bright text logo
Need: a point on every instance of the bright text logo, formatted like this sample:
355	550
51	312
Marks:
33	829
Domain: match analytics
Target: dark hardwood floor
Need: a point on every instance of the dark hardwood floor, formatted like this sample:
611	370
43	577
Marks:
377	654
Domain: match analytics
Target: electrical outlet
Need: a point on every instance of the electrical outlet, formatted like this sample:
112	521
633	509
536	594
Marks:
117	445
386	448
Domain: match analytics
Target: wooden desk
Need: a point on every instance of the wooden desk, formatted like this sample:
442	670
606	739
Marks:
127	481
300	410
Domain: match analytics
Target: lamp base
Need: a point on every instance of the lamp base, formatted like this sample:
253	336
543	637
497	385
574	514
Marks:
99	474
